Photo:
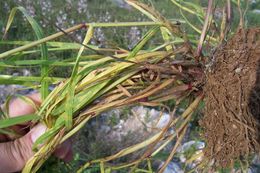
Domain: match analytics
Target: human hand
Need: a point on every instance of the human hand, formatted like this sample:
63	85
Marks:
14	153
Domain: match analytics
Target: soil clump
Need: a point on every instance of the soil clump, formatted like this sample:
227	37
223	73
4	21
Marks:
232	113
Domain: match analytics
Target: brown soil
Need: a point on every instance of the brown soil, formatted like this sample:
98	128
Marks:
231	120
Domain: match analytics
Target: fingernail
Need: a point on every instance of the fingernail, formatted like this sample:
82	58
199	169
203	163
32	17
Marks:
37	131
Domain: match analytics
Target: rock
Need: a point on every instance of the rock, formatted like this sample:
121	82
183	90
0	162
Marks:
9	90
122	4
173	167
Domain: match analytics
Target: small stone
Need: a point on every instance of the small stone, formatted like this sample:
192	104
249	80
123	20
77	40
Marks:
238	70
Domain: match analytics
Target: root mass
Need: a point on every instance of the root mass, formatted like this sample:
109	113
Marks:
232	113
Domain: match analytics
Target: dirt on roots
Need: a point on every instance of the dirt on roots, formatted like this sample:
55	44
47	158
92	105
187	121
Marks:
232	114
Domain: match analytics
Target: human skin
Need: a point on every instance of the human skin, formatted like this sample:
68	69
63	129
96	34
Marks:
14	153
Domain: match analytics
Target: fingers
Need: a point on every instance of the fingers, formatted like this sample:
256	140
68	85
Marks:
19	107
69	156
16	153
3	138
64	151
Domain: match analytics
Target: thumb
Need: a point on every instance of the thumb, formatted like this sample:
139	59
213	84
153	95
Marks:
15	154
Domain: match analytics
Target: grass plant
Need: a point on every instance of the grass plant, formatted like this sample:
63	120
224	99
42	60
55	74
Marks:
107	78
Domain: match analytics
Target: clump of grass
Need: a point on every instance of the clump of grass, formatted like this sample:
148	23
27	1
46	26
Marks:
112	78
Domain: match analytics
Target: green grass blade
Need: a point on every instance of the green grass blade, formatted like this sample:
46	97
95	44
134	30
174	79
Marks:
167	27
69	106
18	120
189	23
44	51
183	7
10	132
167	38
143	41
10	20
139	6
38	42
26	80
47	135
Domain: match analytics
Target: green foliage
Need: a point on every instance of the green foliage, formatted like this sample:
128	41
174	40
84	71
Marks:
17	120
44	51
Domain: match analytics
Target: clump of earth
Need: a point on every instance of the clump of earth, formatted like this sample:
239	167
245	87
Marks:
232	107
